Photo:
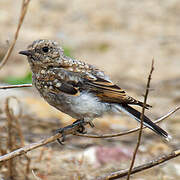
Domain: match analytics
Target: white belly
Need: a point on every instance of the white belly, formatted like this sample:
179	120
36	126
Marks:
84	106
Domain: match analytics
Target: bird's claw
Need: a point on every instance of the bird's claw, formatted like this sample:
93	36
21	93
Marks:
81	128
77	126
91	124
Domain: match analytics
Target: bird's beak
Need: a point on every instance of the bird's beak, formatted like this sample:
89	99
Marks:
26	53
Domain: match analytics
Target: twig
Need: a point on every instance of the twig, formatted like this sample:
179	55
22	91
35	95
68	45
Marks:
27	166
155	162
29	147
129	131
21	18
11	169
142	119
15	86
16	118
42	142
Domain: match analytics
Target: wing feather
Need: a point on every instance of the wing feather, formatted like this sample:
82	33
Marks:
109	92
72	83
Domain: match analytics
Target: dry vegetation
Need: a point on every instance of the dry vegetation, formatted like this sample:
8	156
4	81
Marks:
117	36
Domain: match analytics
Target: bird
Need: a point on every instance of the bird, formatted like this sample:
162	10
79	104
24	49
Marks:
79	89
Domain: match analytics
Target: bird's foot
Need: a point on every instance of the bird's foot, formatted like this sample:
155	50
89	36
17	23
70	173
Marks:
80	123
77	126
91	124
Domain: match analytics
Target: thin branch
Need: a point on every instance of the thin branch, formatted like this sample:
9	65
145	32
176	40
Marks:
155	162
50	139
129	131
10	143
29	147
142	119
24	8
15	86
69	130
10	113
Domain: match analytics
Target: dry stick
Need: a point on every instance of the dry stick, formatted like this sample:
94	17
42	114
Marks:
15	86
21	18
11	117
17	124
29	147
27	168
155	162
142	115
9	138
129	131
42	142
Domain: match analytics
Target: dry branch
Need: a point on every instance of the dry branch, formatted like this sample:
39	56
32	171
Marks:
24	8
129	131
50	139
155	162
142	115
15	86
42	142
10	139
13	130
28	148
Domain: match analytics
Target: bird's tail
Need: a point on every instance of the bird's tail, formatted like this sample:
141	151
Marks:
146	121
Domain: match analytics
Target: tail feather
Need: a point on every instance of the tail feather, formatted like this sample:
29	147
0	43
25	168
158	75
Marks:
146	121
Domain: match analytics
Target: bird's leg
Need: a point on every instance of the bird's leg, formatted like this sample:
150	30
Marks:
91	124
77	126
83	128
81	124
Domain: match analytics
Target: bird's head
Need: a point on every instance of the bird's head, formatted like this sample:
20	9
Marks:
43	53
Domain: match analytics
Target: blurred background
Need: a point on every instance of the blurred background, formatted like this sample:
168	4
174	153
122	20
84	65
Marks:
120	37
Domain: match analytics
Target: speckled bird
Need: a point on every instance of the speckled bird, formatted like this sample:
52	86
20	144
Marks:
77	88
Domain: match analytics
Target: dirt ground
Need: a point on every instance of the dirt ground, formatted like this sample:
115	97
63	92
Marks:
120	37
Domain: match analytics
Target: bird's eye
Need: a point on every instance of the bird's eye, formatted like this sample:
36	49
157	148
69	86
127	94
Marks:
45	49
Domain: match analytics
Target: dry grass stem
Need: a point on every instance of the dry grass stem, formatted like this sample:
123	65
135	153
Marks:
141	127
15	86
10	139
16	119
42	142
148	165
29	147
24	8
15	166
129	131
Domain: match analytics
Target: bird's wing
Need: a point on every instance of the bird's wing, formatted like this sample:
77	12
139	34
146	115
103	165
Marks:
109	92
73	83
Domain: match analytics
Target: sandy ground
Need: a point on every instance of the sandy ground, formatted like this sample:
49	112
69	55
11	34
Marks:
120	37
